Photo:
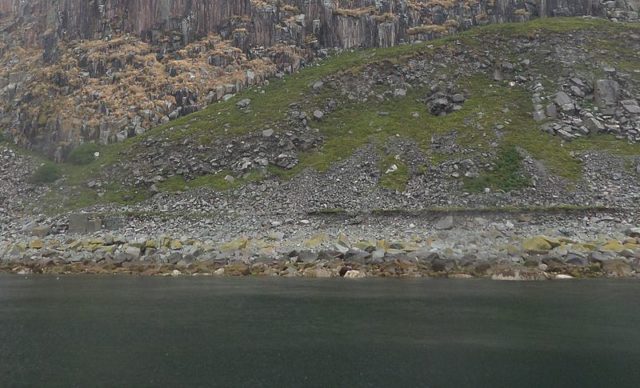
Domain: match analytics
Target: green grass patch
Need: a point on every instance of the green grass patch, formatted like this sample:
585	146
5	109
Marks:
507	174
46	173
605	142
119	194
173	184
394	178
83	154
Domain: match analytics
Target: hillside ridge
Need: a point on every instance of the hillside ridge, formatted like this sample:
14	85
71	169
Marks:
74	72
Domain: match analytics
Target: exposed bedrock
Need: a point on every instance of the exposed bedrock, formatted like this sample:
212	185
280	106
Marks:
335	23
73	71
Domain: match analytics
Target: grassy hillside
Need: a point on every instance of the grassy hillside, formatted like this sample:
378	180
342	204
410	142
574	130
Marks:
490	104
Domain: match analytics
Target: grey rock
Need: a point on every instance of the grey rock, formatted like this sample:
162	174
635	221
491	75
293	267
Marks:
356	256
40	231
317	85
318	115
377	256
267	133
400	92
617	268
445	223
564	134
578	82
576	259
424	255
174	114
84	223
244	103
439	264
341	248
565	102
132	253
552	111
539	115
174	258
458	98
633	232
307	256
576	91
440	106
497	75
631	106
597	256
606	92
508	66
593	125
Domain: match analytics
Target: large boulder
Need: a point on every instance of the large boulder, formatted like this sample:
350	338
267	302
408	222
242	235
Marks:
440	106
536	245
617	268
565	102
593	125
606	93
631	106
445	223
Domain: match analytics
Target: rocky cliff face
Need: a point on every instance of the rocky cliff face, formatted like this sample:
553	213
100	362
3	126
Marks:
341	23
73	71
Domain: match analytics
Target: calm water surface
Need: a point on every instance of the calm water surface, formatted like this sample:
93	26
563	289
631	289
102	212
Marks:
87	332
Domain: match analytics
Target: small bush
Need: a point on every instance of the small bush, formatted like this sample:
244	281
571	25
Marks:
83	154
3	138
46	173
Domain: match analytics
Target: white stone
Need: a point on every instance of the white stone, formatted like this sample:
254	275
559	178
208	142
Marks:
354	274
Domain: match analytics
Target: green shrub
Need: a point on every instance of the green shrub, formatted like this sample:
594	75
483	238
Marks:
83	154
3	138
507	175
46	173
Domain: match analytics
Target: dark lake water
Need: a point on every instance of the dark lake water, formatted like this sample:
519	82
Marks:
117	332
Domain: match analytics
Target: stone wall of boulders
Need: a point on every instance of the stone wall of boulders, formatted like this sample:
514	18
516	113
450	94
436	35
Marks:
450	246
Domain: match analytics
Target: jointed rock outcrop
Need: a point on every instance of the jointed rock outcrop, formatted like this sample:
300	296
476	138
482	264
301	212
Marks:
74	71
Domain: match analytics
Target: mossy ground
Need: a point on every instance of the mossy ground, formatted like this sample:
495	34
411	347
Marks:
506	175
353	125
394	178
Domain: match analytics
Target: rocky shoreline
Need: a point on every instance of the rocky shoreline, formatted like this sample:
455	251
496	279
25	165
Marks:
521	246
